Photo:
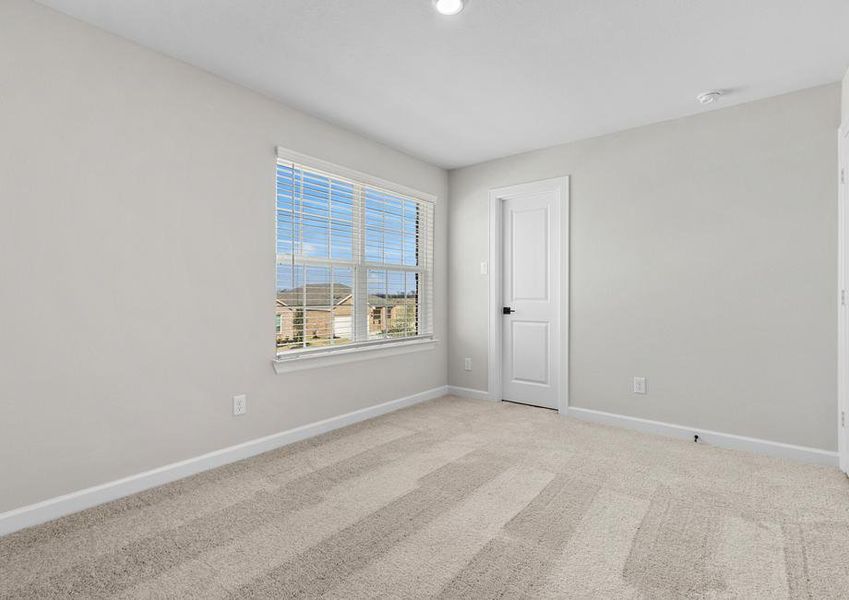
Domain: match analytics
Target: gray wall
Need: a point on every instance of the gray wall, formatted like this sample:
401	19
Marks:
845	101
703	256
137	261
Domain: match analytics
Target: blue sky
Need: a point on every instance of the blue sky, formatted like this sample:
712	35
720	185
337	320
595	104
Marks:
326	231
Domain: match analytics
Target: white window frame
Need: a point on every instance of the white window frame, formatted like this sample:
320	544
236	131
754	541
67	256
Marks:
320	357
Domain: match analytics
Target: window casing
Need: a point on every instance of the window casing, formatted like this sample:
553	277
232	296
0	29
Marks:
354	261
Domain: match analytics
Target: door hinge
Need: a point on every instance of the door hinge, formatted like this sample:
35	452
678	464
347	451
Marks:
843	418
842	176
843	297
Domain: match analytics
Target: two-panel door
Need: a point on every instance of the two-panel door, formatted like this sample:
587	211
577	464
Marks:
531	297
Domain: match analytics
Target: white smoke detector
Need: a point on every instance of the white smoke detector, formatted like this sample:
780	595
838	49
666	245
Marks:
708	97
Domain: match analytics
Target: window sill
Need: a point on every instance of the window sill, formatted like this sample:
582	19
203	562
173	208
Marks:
339	357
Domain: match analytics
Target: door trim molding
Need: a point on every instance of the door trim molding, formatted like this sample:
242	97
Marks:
559	185
843	284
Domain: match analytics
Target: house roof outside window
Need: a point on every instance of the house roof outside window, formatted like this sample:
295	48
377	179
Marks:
318	295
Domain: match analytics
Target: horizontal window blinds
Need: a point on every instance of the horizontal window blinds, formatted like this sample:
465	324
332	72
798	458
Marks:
354	262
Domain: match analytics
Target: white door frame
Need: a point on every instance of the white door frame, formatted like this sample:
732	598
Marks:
843	297
560	186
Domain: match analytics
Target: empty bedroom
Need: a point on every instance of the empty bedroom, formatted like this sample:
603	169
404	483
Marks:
413	299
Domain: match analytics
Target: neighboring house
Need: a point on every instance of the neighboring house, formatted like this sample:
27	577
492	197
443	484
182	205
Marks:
313	312
321	314
392	316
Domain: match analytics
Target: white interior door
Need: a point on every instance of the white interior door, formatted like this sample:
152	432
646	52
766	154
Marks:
530	339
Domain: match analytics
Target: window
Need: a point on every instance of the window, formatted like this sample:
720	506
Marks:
354	261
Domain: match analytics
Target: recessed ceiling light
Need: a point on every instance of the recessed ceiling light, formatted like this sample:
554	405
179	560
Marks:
708	97
448	7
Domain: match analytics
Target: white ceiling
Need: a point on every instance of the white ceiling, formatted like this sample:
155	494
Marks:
504	76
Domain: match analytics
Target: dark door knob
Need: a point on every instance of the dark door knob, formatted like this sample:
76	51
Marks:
507	310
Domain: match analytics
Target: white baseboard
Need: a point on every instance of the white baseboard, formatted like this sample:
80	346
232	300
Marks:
41	512
468	393
714	438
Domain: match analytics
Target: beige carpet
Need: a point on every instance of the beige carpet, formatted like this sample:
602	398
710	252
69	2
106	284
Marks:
459	499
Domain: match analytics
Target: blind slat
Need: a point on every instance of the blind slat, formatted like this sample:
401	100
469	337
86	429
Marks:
354	262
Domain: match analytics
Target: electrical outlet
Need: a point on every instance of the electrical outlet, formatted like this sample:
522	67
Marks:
639	385
240	405
467	364
483	268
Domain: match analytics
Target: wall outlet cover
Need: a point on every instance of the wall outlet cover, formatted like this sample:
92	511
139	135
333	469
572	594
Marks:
639	385
240	405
